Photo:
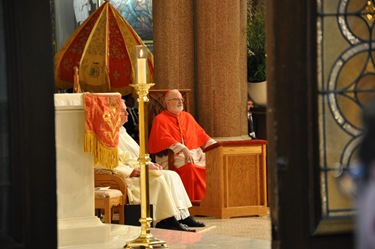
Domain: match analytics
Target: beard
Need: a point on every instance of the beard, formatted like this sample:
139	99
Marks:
175	109
178	108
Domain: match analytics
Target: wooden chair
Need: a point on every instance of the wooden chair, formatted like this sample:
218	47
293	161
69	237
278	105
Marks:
155	106
115	196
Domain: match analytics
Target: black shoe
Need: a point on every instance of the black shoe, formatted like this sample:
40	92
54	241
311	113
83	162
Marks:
172	224
191	222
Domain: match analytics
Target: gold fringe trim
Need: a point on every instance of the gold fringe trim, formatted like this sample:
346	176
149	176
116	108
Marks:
108	157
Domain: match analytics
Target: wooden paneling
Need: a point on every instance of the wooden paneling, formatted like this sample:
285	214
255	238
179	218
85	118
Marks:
236	180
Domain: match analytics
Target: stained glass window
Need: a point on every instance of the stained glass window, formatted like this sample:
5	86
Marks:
346	80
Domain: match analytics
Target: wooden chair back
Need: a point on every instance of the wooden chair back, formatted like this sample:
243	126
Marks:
108	178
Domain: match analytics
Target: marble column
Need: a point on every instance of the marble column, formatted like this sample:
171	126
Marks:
77	223
202	46
174	45
221	67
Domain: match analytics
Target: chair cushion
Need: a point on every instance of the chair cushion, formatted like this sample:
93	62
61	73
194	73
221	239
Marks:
105	172
111	193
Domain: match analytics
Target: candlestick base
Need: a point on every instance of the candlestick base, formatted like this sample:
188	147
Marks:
146	239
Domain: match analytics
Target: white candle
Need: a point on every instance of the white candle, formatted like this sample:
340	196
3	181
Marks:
141	68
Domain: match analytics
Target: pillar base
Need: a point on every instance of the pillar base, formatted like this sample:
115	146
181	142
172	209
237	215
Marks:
81	231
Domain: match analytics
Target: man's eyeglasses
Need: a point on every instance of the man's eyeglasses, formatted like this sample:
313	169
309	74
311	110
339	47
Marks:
177	99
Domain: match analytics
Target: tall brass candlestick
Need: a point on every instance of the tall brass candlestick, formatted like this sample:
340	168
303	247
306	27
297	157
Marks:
145	239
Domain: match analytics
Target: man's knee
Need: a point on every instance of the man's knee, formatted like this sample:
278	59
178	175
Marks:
189	166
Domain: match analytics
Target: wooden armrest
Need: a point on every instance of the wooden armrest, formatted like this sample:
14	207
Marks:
162	153
211	147
235	143
170	155
170	159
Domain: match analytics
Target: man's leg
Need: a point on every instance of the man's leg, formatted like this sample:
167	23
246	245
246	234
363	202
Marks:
165	210
181	199
194	179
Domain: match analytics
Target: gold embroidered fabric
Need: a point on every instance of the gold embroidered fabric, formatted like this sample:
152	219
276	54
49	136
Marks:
102	126
104	49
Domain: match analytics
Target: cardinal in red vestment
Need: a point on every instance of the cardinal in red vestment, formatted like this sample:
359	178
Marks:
178	131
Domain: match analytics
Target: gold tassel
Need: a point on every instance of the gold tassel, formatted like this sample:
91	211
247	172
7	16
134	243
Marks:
108	157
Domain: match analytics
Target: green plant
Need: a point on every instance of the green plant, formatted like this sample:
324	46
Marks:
256	43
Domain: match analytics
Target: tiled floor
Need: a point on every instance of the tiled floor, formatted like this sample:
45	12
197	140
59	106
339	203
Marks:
122	234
